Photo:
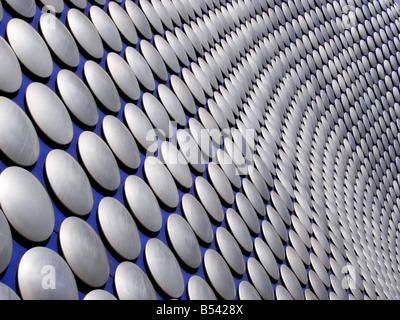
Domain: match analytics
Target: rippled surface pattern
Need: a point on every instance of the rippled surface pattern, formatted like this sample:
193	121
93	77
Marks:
199	149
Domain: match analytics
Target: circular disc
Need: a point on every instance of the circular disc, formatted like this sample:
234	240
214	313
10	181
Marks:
119	228
99	294
167	53
296	264
102	86
26	204
123	22
161	182
197	217
49	113
141	128
190	150
99	161
277	222
230	250
266	257
84	251
85	33
219	274
254	197
163	14
247	212
157	115
280	207
143	203
194	86
260	279
291	283
44	275
22	146
10	70
123	76
139	19
246	291
131	283
59	39
236	155
154	60
194	39
202	138
26	9
239	230
220	183
176	164
121	142
282	293
184	241
7	294
171	104
199	289
299	245
273	240
185	43
106	28
258	180
172	11
211	126
77	98
229	168
164	267
318	286
202	79
56	6
183	93
80	4
69	182
209	199
6	244
206	68
141	68
177	48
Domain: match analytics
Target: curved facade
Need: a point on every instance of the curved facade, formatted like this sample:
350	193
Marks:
206	149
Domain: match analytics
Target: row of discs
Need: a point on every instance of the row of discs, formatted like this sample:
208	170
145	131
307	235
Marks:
259	136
